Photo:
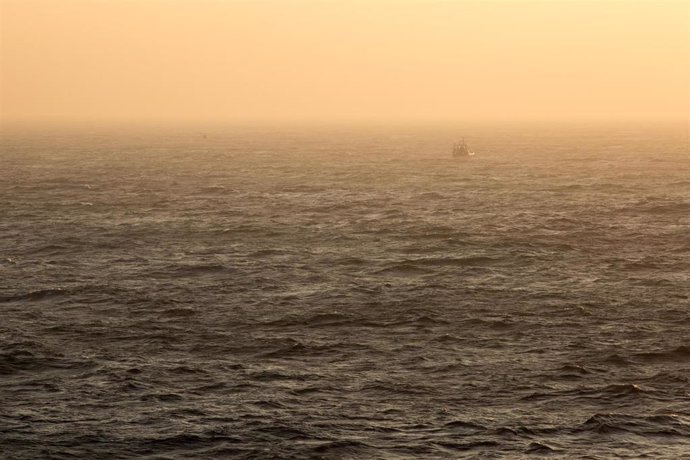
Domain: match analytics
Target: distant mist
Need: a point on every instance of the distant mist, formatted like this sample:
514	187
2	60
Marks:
78	61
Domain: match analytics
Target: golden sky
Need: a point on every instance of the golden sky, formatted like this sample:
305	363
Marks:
344	60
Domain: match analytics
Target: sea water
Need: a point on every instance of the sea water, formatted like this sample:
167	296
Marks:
345	293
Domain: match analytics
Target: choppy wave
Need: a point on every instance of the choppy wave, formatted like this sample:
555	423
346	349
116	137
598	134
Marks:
327	294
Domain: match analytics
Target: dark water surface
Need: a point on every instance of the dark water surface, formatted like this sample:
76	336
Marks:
345	294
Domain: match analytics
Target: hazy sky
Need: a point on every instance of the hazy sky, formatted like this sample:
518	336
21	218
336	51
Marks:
285	60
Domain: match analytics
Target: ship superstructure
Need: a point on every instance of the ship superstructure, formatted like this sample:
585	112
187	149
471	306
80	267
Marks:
461	149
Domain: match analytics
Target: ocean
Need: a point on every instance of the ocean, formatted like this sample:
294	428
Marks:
345	292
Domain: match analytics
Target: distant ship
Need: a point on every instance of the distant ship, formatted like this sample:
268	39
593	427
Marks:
462	150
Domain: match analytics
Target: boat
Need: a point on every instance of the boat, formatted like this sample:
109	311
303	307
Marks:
462	150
